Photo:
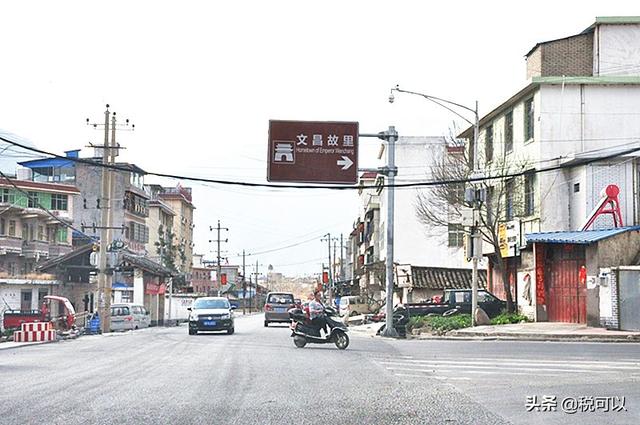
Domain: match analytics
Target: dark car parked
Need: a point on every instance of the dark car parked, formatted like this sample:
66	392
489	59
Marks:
458	301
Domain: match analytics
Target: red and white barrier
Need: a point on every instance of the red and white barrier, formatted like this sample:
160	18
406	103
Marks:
35	332
35	326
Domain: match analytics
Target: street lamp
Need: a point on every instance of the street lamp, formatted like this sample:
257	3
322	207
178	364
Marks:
475	236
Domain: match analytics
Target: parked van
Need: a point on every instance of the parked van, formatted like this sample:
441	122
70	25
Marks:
352	305
127	316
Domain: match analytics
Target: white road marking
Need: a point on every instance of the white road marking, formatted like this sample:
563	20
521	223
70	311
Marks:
590	366
440	378
500	368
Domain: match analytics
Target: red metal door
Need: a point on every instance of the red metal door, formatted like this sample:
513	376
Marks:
567	297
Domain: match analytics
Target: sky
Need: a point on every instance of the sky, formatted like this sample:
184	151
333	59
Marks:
201	80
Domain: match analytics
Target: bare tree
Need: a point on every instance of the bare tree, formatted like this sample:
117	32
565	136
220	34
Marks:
441	205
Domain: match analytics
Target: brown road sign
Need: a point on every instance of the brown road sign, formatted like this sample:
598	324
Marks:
313	152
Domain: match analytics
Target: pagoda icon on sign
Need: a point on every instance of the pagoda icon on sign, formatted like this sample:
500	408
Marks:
283	153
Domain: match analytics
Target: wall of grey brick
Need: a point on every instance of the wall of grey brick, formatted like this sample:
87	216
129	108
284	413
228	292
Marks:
572	56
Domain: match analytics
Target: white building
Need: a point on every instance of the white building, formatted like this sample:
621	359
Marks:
579	113
414	243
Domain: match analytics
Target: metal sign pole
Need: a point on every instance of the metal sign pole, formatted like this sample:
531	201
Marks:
390	170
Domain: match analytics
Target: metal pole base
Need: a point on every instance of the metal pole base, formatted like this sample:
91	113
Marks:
389	332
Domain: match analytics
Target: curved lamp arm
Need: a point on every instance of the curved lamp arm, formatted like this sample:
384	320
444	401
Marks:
438	101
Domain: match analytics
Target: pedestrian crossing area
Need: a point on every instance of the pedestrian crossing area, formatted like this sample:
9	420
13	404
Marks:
472	368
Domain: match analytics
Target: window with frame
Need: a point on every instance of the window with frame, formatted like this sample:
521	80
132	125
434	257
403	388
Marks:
489	204
12	227
61	235
7	196
127	297
528	119
457	193
59	202
488	143
456	235
509	204
2	226
33	199
508	132
137	232
529	194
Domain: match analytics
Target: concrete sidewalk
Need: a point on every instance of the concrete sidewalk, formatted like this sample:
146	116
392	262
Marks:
535	331
547	331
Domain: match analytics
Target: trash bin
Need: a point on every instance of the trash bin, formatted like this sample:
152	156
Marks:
94	324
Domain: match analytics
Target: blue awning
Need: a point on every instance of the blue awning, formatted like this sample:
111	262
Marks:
47	162
122	286
577	237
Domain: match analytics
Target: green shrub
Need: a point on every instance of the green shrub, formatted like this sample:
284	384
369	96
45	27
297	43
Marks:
415	322
438	324
507	318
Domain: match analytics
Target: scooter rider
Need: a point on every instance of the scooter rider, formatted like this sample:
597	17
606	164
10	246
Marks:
316	312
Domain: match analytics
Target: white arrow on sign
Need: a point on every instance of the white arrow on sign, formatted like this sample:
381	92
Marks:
346	162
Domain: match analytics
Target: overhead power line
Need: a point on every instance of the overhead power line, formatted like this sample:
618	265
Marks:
336	187
283	247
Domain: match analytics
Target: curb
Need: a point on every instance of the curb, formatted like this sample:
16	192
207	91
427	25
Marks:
538	338
14	345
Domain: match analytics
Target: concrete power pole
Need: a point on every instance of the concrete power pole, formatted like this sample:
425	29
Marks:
219	265
104	290
256	293
336	275
330	285
107	196
341	259
244	287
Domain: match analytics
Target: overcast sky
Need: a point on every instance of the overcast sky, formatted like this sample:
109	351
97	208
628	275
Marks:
201	79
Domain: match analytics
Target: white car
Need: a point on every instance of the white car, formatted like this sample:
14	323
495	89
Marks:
128	317
211	314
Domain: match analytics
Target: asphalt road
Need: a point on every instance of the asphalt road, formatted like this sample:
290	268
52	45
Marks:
257	376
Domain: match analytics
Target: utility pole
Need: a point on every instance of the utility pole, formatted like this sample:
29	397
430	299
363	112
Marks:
104	291
219	269
476	235
244	287
330	286
256	273
336	275
341	259
107	196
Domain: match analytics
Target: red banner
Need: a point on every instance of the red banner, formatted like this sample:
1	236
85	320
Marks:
155	288
539	260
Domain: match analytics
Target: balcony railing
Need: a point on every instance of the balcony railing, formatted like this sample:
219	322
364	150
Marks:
10	244
33	249
182	191
57	250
